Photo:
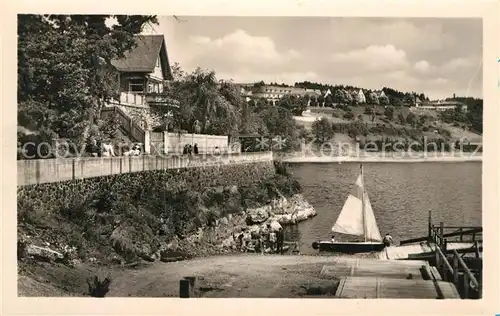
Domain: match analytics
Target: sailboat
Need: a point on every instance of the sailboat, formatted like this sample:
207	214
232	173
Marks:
355	219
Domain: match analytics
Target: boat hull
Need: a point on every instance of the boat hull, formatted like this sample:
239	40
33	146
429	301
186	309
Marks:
348	247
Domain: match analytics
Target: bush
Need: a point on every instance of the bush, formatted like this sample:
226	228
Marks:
349	115
368	110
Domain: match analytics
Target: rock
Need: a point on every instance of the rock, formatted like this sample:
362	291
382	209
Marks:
43	253
233	189
116	260
223	221
284	219
258	215
173	245
75	262
229	243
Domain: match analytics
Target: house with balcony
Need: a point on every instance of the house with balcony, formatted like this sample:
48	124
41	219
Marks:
142	74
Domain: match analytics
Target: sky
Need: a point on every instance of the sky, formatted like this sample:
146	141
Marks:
435	56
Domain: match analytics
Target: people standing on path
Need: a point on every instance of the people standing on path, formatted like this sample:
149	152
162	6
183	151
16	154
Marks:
262	241
280	240
388	240
272	240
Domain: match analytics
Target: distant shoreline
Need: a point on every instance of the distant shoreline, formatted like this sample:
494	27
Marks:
387	158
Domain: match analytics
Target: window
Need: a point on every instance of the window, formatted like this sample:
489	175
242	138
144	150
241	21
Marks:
136	85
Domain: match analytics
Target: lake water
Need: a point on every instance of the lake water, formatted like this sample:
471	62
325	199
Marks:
401	194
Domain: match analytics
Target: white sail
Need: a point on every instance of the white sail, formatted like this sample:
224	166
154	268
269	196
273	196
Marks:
372	233
350	220
353	220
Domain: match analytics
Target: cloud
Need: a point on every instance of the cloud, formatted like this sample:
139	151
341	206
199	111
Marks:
422	66
459	64
435	56
372	58
240	49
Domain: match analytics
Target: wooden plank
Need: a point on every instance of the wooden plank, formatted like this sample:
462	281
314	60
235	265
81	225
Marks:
471	230
371	287
374	267
404	252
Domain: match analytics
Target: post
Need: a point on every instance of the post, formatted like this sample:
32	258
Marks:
445	245
436	255
476	245
466	285
73	171
165	142
147	142
455	269
461	235
441	232
184	288
429	223
191	285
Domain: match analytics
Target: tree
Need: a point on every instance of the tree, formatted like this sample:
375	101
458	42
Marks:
322	129
329	100
339	97
389	113
349	115
314	101
295	104
383	100
65	74
401	119
411	119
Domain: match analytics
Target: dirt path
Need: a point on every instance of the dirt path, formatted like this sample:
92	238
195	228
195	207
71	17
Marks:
229	276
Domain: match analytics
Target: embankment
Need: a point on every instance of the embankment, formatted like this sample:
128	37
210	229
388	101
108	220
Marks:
152	215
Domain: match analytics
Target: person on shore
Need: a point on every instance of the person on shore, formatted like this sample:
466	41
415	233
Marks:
272	240
387	240
333	238
185	149
247	239
195	149
280	240
239	241
262	241
190	150
93	148
216	151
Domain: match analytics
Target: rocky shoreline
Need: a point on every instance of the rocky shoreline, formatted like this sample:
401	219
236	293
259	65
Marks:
220	238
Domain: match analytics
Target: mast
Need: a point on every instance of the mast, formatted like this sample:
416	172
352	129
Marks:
363	210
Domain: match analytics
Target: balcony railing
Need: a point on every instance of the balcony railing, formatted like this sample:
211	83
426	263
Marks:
132	98
143	99
161	99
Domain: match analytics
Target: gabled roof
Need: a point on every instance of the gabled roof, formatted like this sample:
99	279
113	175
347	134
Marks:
142	58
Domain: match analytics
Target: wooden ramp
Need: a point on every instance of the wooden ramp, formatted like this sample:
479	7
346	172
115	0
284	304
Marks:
373	287
374	267
404	252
